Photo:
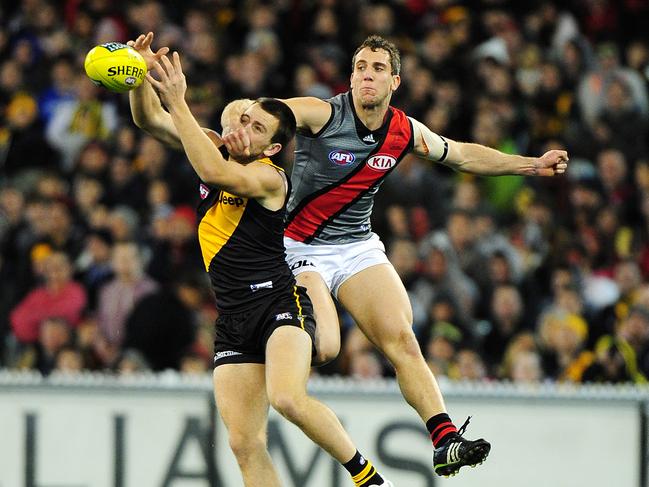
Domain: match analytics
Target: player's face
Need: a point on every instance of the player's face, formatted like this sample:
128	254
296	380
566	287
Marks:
261	127
372	79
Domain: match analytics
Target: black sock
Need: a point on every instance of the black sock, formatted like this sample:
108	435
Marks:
441	429
362	470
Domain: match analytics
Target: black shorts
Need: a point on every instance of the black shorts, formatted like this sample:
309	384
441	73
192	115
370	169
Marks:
241	336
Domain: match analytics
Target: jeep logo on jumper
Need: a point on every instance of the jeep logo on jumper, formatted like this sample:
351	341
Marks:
341	157
381	162
230	200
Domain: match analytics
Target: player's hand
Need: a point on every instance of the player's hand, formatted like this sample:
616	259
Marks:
143	45
172	85
552	162
237	143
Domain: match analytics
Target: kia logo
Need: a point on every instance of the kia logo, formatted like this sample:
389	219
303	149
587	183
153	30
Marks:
381	162
342	157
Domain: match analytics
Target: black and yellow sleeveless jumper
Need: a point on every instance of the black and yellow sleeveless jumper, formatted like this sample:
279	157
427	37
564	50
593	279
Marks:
243	248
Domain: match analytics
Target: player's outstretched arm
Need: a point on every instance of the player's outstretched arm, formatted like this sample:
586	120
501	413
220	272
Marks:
146	108
482	160
310	113
251	180
153	119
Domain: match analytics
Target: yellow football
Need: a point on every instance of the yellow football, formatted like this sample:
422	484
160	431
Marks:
115	66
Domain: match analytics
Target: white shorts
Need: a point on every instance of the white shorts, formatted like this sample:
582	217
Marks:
335	263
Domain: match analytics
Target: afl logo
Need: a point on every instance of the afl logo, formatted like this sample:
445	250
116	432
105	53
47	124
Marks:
381	162
341	157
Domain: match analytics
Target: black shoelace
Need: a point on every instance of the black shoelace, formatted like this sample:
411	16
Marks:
463	427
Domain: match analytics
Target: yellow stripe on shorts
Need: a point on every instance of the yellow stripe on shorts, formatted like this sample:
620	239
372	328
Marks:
299	306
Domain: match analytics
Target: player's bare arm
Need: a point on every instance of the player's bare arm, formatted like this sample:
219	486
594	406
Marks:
310	113
146	108
482	160
254	180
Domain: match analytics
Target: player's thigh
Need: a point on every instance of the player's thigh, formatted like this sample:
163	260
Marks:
326	317
240	395
323	304
287	373
378	302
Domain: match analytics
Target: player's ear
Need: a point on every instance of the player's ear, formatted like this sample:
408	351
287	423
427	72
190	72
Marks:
272	149
396	81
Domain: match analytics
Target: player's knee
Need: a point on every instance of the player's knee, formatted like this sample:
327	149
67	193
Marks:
327	347
326	353
246	446
288	404
404	346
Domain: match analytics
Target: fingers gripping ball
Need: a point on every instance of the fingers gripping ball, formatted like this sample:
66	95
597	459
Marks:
115	66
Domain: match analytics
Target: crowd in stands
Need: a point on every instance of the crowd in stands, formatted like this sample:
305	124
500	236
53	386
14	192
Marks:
514	278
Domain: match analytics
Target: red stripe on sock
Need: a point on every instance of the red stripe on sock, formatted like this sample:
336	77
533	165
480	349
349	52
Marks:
445	424
442	434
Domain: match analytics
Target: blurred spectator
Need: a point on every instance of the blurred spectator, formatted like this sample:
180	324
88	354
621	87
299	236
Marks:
87	192
177	252
78	121
193	364
22	144
68	361
613	171
159	203
359	357
151	16
93	161
468	366
621	124
119	296
562	339
506	321
593	86
628	281
623	356
404	257
162	325
575	59
12	225
63	233
125	185
86	340
131	362
441	348
123	223
523	342
365	365
307	84
414	186
446	277
526	368
54	335
59	296
458	240
61	88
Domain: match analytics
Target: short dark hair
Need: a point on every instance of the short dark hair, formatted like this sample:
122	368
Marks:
284	115
375	43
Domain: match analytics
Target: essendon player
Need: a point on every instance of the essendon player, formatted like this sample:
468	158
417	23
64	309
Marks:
345	147
265	330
